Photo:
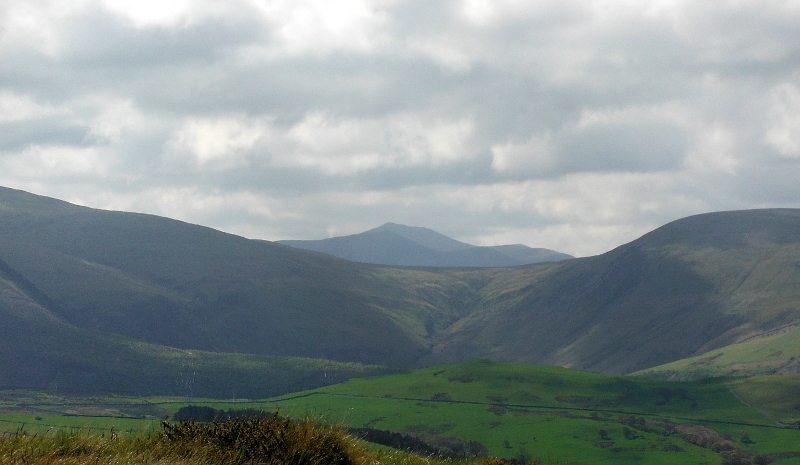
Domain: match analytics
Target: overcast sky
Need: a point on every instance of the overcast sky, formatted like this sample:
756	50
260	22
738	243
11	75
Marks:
572	125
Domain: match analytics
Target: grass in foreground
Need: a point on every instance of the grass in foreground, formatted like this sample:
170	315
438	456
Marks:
272	440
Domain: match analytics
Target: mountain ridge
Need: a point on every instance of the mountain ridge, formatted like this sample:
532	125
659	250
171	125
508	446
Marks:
692	286
400	245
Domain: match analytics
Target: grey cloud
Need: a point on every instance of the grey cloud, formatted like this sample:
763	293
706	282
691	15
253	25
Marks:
17	135
288	88
624	147
100	40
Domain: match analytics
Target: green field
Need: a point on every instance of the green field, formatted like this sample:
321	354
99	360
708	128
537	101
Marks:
551	414
515	411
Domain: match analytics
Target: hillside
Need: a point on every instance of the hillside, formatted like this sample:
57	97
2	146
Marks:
565	416
186	286
400	245
41	351
694	285
108	282
773	352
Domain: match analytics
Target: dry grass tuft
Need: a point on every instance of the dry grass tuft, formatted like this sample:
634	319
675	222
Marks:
266	441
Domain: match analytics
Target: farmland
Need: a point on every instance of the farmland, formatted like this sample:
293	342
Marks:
510	410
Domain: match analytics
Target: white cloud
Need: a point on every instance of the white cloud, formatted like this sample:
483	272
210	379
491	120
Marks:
535	156
15	107
33	25
342	146
321	27
784	120
220	141
117	119
56	164
145	13
714	151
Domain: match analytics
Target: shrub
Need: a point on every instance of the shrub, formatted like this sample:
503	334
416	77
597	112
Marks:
272	440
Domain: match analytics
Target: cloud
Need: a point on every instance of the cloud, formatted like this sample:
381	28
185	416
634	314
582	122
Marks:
783	133
608	140
572	125
221	141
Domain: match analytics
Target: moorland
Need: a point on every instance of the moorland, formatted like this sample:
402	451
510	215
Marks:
690	329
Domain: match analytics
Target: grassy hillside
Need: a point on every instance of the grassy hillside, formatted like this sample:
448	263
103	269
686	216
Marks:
559	415
776	352
67	359
41	351
171	283
694	285
775	397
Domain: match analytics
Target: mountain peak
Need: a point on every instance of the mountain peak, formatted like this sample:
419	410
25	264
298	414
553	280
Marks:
398	244
425	237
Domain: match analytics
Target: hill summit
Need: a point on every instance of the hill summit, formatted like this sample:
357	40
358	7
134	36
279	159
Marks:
400	245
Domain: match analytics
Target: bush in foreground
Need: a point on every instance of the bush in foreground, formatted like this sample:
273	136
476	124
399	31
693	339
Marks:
266	441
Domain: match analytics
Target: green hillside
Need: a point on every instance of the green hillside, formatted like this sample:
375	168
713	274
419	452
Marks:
559	415
692	286
776	352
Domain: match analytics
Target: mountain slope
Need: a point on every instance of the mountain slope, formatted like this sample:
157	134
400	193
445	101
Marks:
425	237
691	286
774	352
40	351
113	280
400	245
172	283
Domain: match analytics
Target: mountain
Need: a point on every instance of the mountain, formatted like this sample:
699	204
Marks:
171	283
90	295
400	245
41	351
694	285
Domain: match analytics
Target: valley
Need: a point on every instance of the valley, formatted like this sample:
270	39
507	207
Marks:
678	347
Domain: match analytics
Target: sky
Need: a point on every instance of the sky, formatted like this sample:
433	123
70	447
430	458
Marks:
572	125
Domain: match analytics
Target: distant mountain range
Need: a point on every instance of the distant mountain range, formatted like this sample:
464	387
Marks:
400	245
96	300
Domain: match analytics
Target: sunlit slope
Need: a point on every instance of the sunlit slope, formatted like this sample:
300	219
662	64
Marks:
177	284
776	396
554	414
776	352
691	286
